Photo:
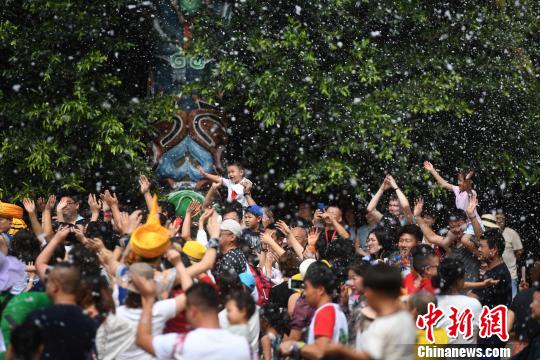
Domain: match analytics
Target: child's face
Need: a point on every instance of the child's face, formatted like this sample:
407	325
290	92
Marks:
235	174
235	315
251	221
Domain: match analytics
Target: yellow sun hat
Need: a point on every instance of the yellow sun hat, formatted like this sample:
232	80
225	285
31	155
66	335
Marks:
10	211
194	250
151	239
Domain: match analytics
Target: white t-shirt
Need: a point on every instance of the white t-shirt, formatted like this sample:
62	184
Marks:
254	327
329	321
199	344
390	337
161	312
512	242
461	302
235	192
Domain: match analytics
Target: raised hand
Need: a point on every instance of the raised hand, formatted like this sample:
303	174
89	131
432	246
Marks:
29	206
428	166
79	235
266	238
392	182
144	184
247	184
173	256
313	236
62	233
473	203
95	244
386	185
61	205
205	215
51	201
418	207
40	204
146	287
194	208
283	227
109	198
128	223
94	204
173	228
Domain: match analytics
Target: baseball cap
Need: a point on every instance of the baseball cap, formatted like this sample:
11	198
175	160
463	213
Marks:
248	280
255	210
232	226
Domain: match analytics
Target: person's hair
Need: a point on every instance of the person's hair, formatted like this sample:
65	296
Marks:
244	302
420	300
494	239
384	279
359	267
451	270
133	300
420	257
237	164
104	231
26	339
86	260
391	224
413	230
69	193
276	317
203	296
458	215
467	176
393	197
234	207
288	263
67	276
320	275
96	291
25	246
385	240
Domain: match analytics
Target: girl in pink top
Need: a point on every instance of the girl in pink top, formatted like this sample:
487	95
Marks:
464	194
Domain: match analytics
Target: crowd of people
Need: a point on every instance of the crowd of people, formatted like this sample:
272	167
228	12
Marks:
229	281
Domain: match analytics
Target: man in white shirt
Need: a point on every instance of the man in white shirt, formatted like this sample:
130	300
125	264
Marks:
207	341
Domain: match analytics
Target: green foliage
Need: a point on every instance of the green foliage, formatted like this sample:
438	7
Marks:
70	115
349	89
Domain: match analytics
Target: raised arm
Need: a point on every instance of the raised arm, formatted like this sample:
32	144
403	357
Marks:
291	240
268	240
46	217
442	183
43	259
30	208
209	258
337	226
403	202
144	186
372	206
182	275
193	210
212	177
95	206
471	214
112	201
430	235
209	198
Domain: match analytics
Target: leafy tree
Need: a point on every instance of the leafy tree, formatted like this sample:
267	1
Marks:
72	88
333	94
